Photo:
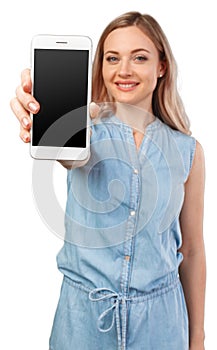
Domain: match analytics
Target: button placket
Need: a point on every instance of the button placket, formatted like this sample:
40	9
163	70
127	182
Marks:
132	217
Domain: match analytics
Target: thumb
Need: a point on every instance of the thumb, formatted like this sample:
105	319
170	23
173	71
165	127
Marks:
94	110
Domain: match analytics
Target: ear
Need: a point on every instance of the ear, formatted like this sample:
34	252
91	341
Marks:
162	69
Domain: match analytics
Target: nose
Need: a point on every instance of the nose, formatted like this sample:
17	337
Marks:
125	69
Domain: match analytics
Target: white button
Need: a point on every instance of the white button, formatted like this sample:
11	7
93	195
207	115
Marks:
136	171
132	213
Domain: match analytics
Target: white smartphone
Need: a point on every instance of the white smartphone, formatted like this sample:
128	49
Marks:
61	76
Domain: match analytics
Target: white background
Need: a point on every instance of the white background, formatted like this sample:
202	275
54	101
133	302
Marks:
30	281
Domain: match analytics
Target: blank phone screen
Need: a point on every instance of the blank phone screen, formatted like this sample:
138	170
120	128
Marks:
60	86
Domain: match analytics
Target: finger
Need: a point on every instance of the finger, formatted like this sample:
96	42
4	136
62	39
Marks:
94	110
21	114
27	100
24	135
26	81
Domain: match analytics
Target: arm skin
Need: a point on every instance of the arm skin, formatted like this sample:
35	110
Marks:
193	268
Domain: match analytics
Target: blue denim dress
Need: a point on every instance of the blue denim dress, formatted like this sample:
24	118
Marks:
120	259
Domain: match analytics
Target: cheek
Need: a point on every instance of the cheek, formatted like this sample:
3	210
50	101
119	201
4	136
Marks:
106	73
105	76
150	77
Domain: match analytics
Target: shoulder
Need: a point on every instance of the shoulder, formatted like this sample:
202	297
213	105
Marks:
199	152
198	163
180	137
185	144
194	188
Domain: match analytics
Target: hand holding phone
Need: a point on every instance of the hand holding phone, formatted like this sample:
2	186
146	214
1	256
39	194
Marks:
61	76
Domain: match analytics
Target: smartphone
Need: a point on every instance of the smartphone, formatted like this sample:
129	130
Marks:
61	77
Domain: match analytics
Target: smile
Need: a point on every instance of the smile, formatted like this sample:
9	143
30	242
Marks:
126	86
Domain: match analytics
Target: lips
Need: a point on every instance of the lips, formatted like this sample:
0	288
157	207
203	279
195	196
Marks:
126	86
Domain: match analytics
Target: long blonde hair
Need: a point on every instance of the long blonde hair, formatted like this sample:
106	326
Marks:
167	104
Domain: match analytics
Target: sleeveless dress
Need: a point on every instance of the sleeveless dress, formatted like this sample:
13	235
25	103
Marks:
120	258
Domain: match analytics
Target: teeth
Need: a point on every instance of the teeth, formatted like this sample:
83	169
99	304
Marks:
126	85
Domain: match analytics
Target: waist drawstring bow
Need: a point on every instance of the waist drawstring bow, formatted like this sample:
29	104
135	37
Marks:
109	294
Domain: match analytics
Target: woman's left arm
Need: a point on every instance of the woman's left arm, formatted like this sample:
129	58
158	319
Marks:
193	268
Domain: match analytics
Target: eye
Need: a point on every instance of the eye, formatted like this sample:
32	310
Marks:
140	58
112	59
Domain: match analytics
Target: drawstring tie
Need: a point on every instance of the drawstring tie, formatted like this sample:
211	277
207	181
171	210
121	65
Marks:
109	294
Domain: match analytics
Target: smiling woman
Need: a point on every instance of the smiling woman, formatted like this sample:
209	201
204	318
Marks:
133	259
131	67
166	102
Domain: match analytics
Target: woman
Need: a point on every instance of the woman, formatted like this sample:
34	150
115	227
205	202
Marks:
133	258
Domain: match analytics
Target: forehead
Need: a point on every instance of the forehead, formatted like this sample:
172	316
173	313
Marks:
128	38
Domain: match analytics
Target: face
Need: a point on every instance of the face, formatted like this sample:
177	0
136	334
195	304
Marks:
131	67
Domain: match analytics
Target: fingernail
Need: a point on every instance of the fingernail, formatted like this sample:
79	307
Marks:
25	122
33	107
26	138
25	87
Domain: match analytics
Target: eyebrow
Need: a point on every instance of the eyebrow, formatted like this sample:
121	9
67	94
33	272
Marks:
133	51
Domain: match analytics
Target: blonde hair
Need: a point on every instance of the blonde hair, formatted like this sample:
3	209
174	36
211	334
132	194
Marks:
167	104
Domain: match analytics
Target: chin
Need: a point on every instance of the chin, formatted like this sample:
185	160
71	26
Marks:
125	100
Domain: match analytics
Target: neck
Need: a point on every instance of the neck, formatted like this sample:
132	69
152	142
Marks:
134	116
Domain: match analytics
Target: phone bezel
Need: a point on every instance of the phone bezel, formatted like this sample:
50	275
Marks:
62	42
